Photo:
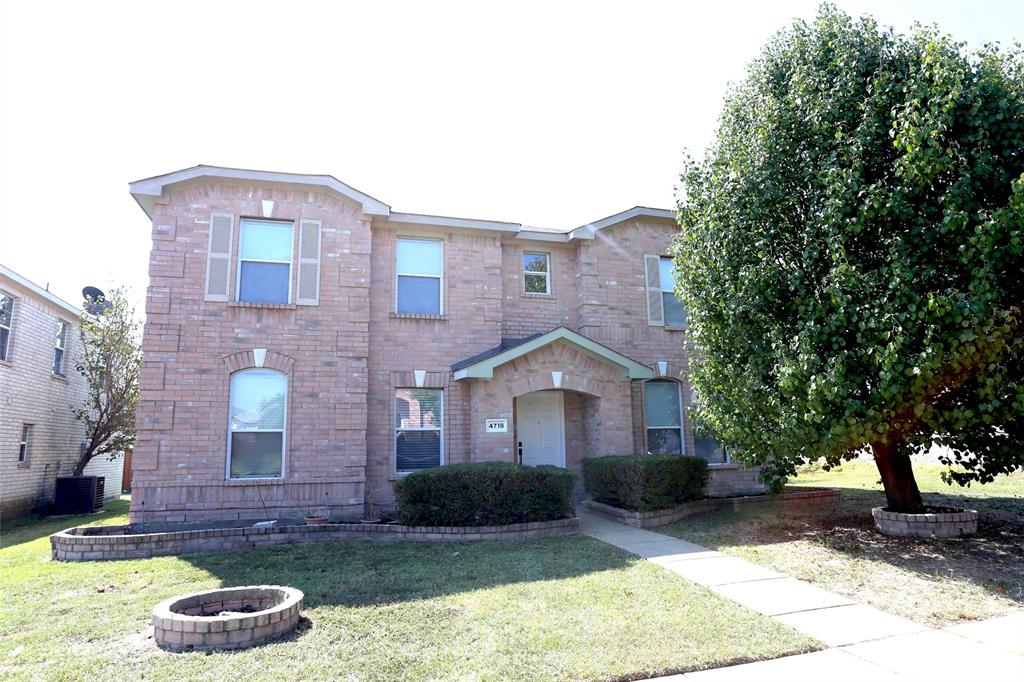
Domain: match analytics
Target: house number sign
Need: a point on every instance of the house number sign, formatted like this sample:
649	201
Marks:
497	426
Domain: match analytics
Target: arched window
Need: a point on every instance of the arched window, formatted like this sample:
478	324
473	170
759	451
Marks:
663	417
256	424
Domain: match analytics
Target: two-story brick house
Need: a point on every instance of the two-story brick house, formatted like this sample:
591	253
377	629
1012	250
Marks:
40	438
305	345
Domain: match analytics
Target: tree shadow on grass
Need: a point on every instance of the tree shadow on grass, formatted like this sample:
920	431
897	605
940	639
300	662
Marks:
365	572
33	526
993	558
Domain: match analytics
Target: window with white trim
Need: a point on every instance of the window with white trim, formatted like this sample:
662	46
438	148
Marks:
663	417
25	444
705	442
6	320
675	313
419	434
265	261
418	276
256	429
536	273
59	347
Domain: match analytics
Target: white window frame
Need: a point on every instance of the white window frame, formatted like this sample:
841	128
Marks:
238	264
398	429
664	308
682	417
5	356
25	444
546	273
440	278
283	431
725	448
63	347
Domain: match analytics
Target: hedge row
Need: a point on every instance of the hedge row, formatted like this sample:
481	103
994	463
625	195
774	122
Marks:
645	482
484	494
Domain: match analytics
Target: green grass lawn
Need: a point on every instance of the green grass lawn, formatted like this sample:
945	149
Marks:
933	581
570	608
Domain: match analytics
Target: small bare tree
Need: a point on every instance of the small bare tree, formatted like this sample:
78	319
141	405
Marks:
110	363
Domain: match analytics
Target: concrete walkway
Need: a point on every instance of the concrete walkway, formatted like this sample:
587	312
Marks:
868	644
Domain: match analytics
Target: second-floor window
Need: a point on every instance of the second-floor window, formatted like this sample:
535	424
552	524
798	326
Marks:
536	273
418	268
265	262
59	346
675	313
6	317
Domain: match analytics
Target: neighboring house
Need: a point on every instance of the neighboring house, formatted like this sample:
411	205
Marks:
304	344
40	438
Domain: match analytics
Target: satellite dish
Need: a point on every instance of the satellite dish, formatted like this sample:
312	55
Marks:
95	300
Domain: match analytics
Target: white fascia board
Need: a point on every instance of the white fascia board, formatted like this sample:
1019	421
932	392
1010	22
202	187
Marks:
454	223
538	236
7	273
590	229
146	191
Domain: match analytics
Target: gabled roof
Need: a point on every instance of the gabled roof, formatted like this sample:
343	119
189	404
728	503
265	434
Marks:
481	366
148	190
7	273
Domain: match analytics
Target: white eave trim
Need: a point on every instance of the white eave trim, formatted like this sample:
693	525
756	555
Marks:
147	191
590	229
7	273
454	223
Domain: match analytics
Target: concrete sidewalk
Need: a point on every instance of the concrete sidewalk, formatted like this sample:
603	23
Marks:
868	644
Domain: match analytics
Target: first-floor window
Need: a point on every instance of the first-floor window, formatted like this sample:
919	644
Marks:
59	345
664	418
6	315
418	430
256	437
25	444
709	448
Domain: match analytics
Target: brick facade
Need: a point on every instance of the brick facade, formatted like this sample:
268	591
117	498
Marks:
30	393
349	353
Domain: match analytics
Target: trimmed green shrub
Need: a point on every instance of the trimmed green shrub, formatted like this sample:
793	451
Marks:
484	494
645	482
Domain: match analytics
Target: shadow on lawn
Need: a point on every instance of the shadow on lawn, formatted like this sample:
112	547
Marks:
364	572
32	527
993	558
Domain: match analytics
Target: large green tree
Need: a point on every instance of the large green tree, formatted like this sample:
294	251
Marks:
851	255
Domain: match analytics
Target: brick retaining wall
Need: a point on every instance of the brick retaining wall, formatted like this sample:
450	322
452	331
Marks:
97	543
662	517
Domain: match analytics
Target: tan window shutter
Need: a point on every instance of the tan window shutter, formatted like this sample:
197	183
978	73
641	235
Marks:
652	279
218	259
309	263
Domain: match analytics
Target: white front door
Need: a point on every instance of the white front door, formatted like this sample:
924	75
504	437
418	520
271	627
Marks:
540	428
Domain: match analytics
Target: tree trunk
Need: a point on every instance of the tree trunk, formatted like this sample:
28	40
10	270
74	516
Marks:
83	461
901	492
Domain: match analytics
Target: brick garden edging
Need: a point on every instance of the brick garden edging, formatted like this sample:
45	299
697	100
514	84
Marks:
195	622
96	543
662	517
932	524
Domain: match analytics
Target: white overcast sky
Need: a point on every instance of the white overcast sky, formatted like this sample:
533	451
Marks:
550	113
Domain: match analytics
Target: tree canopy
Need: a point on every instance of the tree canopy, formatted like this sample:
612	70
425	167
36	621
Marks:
851	255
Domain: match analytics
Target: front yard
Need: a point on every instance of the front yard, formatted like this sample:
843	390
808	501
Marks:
937	582
570	608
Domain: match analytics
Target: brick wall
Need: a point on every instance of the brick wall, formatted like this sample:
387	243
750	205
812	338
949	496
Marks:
349	353
31	394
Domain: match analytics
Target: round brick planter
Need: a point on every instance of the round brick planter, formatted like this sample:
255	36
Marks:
937	523
231	618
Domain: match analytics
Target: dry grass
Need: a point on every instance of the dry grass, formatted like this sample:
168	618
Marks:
933	581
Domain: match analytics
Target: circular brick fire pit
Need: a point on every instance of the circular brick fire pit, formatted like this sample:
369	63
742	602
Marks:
231	618
937	522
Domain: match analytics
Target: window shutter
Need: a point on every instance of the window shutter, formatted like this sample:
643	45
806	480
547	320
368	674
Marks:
309	263
652	272
218	259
